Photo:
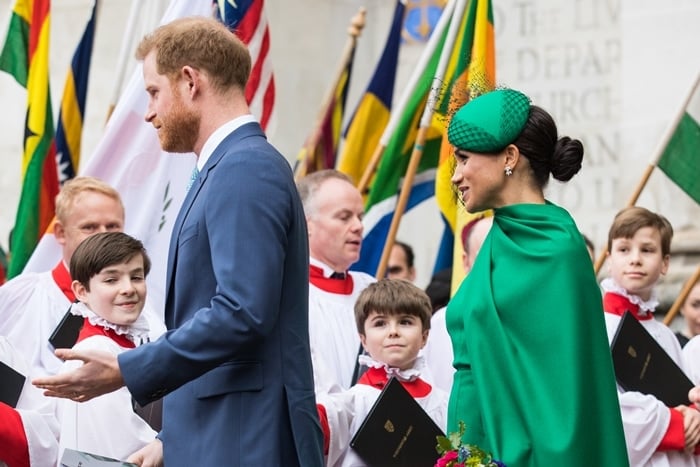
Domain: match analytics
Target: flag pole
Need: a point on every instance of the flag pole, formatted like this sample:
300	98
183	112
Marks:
407	93
687	287
401	203
419	145
124	55
658	152
357	23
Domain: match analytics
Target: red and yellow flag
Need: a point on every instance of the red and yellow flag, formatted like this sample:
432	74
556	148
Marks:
320	148
25	56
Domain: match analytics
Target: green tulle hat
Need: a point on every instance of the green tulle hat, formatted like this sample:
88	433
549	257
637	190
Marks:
490	122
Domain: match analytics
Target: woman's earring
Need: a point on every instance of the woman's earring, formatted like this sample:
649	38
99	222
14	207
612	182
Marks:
508	171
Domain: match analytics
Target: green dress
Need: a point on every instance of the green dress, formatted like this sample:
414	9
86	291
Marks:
534	382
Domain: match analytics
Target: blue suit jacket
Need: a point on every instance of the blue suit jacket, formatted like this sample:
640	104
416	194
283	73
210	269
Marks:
235	365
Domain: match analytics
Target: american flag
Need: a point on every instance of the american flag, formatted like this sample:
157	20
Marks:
247	20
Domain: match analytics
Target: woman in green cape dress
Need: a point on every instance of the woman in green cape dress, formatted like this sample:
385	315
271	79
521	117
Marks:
534	381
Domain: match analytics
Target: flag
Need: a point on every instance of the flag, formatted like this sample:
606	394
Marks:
384	190
372	114
320	149
471	71
151	182
25	56
247	19
680	160
70	117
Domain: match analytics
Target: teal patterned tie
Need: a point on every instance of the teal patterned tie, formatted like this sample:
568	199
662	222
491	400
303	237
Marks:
193	177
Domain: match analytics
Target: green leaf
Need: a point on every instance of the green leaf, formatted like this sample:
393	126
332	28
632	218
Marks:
443	445
456	440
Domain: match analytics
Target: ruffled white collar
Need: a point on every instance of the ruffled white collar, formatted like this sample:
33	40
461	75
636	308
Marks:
136	332
648	306
410	374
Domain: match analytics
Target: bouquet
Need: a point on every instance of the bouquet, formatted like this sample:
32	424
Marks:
455	454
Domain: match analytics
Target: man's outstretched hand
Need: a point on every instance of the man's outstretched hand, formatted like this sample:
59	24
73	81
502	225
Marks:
99	375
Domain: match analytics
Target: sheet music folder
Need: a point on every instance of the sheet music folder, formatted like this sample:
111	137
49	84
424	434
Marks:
642	365
65	335
11	384
397	431
73	458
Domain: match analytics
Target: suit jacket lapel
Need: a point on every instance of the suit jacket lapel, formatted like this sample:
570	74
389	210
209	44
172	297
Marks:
249	129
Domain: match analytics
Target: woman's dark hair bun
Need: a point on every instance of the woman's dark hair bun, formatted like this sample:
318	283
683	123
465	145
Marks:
567	157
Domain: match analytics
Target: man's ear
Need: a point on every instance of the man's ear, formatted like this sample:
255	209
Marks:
192	78
59	232
412	273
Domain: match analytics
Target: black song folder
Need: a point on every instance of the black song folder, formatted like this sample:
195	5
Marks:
642	365
65	335
397	431
11	384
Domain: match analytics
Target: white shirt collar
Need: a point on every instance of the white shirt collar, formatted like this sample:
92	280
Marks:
218	136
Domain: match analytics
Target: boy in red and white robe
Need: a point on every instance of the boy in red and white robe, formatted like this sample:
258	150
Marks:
393	320
109	271
639	253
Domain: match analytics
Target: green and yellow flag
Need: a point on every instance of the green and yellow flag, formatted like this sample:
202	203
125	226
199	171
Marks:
25	56
398	141
471	71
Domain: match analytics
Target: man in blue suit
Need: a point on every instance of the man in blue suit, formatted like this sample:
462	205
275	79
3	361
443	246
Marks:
234	366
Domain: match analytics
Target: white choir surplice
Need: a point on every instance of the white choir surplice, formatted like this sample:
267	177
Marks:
105	425
646	419
333	335
31	305
36	412
347	410
691	359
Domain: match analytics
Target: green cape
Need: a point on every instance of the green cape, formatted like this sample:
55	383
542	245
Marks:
534	382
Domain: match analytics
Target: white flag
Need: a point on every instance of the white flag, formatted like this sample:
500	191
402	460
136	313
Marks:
151	182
